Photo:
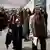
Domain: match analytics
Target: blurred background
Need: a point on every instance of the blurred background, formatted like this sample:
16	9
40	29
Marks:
8	6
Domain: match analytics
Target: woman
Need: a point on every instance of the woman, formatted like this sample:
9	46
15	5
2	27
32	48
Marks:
38	28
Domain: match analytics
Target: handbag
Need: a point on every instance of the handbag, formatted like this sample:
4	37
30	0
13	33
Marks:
33	39
8	38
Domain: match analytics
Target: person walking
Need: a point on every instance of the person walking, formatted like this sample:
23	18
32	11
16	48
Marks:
38	29
20	22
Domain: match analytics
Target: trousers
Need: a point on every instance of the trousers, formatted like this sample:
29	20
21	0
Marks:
17	37
42	43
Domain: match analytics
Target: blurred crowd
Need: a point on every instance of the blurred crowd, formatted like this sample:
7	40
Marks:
10	17
26	13
17	11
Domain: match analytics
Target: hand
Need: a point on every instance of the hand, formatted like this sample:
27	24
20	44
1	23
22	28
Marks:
10	30
16	20
31	36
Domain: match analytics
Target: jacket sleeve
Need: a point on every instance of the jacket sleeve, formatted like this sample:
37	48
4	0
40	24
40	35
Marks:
30	24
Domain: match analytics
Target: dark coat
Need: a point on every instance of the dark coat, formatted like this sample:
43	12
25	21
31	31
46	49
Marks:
8	38
39	30
3	20
21	17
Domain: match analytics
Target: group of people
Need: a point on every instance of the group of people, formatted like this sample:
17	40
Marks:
15	24
37	26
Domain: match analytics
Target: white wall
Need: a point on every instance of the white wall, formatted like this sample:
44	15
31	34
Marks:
10	6
48	11
13	3
30	5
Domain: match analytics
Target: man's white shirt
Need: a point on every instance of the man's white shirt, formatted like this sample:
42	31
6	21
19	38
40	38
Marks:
30	22
31	32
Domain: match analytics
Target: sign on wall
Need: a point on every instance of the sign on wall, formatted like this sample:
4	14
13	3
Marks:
40	3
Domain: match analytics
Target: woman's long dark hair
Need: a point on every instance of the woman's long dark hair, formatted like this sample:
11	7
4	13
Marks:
29	12
39	15
33	10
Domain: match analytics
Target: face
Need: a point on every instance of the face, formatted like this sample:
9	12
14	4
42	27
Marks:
37	11
23	10
27	10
